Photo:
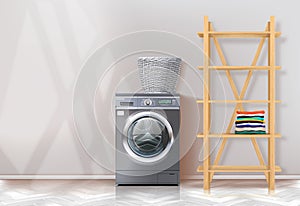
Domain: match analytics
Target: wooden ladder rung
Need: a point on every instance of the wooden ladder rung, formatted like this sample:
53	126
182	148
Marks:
237	34
224	135
240	67
232	101
229	168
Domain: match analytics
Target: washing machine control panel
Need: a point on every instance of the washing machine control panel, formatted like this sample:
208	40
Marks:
159	102
145	101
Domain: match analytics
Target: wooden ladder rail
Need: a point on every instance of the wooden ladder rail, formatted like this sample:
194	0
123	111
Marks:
271	105
206	107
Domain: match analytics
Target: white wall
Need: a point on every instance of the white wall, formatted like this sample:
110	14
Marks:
44	43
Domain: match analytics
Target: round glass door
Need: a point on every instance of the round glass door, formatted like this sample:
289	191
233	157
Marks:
149	136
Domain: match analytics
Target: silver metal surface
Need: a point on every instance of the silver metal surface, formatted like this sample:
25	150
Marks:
145	107
145	97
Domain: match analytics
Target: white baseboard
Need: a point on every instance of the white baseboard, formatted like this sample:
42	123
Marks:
110	177
231	177
58	177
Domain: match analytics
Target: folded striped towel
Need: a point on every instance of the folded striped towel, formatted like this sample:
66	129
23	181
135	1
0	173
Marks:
253	125
250	118
250	115
250	122
251	112
250	132
250	129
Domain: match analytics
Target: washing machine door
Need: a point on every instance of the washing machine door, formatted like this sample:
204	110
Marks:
148	136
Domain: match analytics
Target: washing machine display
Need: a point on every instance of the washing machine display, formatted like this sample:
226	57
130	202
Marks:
148	136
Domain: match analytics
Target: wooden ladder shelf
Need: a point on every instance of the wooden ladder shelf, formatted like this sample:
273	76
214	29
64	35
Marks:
270	168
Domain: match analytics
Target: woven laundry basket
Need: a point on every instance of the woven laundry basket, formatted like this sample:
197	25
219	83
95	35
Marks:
159	74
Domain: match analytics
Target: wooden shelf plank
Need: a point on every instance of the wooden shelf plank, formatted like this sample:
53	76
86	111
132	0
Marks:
232	135
238	34
240	67
200	101
229	168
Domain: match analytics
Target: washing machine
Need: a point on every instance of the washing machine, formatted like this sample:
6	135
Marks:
147	139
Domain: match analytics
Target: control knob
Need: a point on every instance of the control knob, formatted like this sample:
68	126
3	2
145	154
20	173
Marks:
147	102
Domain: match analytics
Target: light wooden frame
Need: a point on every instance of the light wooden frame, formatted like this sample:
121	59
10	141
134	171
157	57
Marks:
270	168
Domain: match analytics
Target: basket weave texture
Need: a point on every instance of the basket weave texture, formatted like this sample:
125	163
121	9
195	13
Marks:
159	74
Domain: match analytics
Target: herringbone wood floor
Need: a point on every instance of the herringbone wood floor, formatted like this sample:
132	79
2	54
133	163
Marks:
104	192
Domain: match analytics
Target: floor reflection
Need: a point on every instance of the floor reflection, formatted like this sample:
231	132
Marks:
147	195
104	192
